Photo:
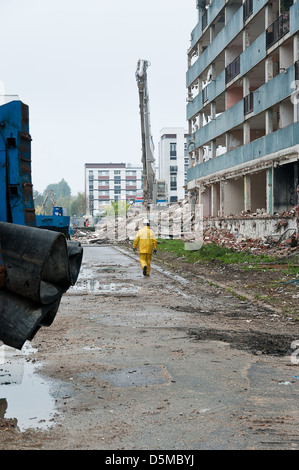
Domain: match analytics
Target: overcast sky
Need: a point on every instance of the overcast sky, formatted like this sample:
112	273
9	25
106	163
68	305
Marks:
73	63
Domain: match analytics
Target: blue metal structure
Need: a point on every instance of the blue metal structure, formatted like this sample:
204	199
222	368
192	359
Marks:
36	266
57	221
16	199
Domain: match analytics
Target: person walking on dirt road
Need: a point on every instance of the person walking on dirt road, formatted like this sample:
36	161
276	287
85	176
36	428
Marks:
147	244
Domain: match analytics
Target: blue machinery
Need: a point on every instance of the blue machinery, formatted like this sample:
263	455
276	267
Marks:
16	202
58	221
36	266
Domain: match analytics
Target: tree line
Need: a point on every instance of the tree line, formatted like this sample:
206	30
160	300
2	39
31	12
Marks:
76	205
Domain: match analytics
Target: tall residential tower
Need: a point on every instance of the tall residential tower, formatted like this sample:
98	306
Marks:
243	113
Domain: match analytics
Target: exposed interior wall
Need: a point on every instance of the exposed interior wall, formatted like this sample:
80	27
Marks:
286	110
251	193
233	196
256	134
258	191
233	96
234	139
286	55
215	199
206	201
231	53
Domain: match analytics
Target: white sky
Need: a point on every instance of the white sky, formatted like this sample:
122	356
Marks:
73	63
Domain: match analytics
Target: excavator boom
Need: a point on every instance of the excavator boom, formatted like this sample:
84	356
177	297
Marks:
148	159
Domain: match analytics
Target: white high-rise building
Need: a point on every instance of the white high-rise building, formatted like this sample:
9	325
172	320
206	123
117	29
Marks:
106	182
173	161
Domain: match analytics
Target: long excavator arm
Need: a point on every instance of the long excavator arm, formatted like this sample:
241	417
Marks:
148	160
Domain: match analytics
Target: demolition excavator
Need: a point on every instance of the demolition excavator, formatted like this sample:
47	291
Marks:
154	191
37	266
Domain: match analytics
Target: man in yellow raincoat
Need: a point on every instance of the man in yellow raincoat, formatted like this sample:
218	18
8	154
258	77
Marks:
147	244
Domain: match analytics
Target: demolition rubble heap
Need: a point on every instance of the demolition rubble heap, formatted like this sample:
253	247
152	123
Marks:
249	231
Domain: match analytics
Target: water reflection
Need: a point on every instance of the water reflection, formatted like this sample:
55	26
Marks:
95	286
24	395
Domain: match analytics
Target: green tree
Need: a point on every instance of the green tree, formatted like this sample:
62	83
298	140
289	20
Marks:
62	196
78	205
38	198
59	189
117	208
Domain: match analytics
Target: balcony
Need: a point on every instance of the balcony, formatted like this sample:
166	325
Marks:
232	70
223	38
278	29
274	91
266	145
248	103
225	121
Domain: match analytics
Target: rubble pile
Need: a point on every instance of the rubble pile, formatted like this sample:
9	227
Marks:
226	232
225	238
167	223
111	229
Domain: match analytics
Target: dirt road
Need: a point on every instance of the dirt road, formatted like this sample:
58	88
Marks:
152	363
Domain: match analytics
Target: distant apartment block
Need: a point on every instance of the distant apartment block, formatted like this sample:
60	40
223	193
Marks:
242	111
173	161
106	182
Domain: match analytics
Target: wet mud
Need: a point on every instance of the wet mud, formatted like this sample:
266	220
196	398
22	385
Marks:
156	363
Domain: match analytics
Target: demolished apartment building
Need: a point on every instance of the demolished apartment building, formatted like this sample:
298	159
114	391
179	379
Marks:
243	115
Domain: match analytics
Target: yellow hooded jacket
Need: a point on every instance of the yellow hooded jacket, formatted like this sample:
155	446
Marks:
146	239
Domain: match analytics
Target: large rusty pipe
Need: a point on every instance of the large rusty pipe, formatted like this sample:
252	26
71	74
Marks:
40	265
21	318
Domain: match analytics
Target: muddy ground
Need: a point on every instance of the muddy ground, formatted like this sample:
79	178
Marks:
270	283
188	358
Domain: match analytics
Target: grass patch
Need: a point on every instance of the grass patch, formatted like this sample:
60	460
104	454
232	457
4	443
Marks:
212	253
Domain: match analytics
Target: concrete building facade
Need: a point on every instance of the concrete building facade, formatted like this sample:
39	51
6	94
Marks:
173	161
243	95
106	182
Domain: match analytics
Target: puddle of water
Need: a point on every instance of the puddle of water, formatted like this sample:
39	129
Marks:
133	376
24	395
94	286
